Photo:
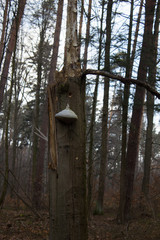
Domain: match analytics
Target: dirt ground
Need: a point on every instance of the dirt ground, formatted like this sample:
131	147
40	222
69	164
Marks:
24	225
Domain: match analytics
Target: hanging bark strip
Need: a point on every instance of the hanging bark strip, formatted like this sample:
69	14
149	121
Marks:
52	137
122	79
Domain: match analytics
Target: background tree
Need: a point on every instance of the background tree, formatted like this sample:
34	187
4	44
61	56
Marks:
150	105
10	48
104	149
135	127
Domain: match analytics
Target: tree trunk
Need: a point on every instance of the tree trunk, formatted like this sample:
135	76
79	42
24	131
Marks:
80	28
150	105
85	57
103	163
91	140
136	35
68	218
36	194
11	45
2	43
125	117
6	175
135	127
70	200
56	41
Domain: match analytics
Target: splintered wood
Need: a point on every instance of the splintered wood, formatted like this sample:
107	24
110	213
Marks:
52	133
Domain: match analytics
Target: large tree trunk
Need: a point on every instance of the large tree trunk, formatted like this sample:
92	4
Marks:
135	127
70	199
11	45
150	106
68	218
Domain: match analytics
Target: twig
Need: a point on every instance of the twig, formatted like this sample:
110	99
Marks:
41	135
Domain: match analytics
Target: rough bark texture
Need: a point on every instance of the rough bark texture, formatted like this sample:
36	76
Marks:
69	207
71	57
68	217
80	28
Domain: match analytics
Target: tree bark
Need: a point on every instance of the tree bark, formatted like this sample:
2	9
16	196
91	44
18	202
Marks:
10	48
85	57
67	144
104	149
6	175
135	127
36	166
2	43
69	206
125	117
80	28
56	41
91	138
150	105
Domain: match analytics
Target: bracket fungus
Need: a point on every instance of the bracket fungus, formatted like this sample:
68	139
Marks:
67	115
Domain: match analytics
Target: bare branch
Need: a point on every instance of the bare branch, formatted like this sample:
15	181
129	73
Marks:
41	135
122	79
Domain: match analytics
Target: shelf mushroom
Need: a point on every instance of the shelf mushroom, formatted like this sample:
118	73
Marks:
67	115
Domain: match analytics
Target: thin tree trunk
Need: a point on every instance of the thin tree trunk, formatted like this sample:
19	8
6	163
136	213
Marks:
44	125
104	149
90	154
56	41
2	43
136	36
80	28
125	118
36	194
15	126
11	45
5	184
85	57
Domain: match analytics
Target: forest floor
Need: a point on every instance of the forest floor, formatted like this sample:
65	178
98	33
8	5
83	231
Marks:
24	225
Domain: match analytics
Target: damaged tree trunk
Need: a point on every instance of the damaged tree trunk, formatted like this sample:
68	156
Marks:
68	218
